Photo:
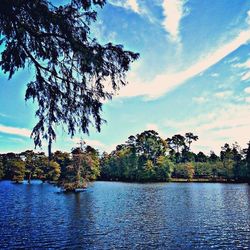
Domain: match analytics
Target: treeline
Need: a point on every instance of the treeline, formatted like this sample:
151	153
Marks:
148	157
69	171
142	158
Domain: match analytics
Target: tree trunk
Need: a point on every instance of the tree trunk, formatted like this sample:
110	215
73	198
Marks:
50	149
29	177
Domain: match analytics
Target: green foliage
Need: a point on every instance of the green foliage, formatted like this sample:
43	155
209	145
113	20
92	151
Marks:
35	164
184	170
209	170
247	162
1	170
203	170
176	142
164	168
17	170
201	157
83	167
143	158
54	171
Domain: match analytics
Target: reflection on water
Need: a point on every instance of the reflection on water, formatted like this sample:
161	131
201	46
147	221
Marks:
121	215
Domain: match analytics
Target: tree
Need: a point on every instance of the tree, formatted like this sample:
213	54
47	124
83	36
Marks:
248	162
31	164
184	170
84	167
176	142
1	170
204	169
237	158
190	137
187	156
63	159
201	157
164	168
226	156
71	68
213	157
150	145
141	158
17	170
53	171
92	162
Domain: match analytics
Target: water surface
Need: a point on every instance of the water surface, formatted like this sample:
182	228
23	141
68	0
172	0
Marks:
113	215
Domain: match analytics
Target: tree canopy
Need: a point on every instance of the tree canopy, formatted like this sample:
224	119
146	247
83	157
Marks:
71	68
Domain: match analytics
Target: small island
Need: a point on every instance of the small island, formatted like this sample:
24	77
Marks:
145	157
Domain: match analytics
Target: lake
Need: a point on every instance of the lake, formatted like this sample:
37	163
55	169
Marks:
113	215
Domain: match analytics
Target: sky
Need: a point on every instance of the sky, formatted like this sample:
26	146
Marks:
193	75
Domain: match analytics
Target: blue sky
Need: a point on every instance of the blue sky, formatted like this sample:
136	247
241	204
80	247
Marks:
193	75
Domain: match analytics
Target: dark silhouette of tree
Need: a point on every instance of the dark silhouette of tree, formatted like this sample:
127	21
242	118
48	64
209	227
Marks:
247	153
187	156
237	157
176	142
226	156
2	172
213	157
71	68
201	157
190	137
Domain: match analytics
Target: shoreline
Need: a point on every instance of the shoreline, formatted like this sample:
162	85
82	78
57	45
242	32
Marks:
182	180
173	180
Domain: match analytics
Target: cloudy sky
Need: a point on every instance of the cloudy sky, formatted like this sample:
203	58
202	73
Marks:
193	75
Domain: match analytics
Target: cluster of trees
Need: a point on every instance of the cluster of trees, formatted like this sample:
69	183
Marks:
70	171
147	157
142	158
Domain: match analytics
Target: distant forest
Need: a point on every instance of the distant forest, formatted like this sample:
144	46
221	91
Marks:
145	157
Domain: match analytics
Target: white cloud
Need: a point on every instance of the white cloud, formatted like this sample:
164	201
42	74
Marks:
229	124
247	99
214	75
247	90
245	65
199	99
248	17
127	4
152	126
234	59
223	94
133	5
173	11
15	131
168	81
94	143
245	75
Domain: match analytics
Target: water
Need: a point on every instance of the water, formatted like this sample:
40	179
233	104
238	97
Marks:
125	216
